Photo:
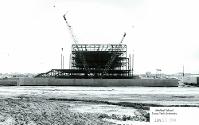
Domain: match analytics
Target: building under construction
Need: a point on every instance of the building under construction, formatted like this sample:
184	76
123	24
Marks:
95	65
94	61
101	61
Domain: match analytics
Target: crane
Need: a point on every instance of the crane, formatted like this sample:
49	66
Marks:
82	58
108	65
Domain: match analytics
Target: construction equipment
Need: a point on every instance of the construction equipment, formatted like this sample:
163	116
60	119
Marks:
82	58
110	62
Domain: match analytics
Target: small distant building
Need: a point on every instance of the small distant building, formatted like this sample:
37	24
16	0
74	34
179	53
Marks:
148	74
191	80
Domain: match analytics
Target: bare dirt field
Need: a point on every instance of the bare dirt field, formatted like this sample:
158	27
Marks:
47	105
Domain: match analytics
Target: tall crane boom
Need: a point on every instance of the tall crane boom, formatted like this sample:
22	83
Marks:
108	65
70	29
123	38
82	58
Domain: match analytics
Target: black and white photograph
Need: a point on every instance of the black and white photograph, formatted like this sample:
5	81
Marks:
99	62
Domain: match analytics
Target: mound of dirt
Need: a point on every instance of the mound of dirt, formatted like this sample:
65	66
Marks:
33	111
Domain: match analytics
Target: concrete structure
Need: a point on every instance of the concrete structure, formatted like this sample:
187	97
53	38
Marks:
8	82
98	82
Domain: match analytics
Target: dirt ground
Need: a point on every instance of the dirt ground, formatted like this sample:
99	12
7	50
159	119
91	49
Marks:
34	111
41	111
87	105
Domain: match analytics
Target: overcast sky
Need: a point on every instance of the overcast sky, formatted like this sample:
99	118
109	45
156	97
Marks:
163	34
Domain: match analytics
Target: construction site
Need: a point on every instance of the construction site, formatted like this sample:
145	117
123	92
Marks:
99	61
93	65
94	83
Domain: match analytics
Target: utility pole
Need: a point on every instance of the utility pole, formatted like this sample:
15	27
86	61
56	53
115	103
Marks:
129	64
62	59
133	63
70	62
183	74
63	62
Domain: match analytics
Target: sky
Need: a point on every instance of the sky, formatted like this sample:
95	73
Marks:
162	34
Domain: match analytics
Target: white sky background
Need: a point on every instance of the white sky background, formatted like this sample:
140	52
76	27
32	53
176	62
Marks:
164	34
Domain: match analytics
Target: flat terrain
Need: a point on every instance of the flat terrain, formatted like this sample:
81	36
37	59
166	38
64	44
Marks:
88	105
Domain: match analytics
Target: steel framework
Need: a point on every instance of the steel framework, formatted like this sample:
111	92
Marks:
96	56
